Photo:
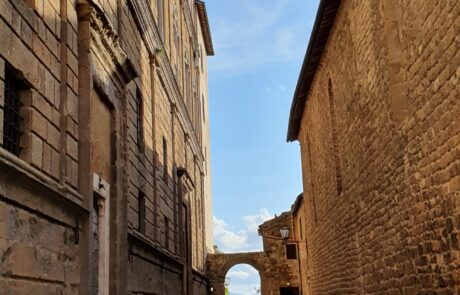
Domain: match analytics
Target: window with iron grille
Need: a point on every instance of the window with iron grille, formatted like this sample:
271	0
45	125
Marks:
12	119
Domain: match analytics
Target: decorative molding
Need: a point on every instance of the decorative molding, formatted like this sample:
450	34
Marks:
187	181
101	186
103	32
147	27
204	23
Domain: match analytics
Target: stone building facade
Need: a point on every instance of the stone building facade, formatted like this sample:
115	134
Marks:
104	158
376	111
282	265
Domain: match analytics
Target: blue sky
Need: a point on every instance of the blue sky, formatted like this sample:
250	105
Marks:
259	46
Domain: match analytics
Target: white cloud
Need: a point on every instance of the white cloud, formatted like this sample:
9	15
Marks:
240	274
226	238
277	87
253	221
281	87
247	239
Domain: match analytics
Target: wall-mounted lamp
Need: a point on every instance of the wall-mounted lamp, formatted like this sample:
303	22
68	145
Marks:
211	289
284	232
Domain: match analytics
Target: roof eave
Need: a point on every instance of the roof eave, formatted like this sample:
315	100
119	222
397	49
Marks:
324	21
205	28
298	202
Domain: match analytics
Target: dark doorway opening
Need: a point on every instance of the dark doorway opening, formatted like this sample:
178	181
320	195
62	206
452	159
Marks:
289	291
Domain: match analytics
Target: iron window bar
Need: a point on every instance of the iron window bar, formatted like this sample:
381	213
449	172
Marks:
12	119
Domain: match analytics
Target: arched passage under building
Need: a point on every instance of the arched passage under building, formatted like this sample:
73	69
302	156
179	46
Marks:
220	264
242	279
278	271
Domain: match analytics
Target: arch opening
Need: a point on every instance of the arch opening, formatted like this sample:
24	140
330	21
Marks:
243	278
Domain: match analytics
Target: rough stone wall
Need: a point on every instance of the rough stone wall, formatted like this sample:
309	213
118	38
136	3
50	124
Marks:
29	263
390	75
278	270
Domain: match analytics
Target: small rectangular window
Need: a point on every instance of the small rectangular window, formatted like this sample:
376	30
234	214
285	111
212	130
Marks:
141	200
291	251
139	120
12	120
165	159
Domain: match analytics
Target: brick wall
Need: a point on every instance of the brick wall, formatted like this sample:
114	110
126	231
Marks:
299	216
392	67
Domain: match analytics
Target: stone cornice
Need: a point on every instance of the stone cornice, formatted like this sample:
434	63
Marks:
151	36
205	29
104	35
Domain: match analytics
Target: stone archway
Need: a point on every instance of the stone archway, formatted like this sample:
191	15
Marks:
220	264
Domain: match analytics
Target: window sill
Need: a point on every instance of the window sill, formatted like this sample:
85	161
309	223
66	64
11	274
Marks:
33	178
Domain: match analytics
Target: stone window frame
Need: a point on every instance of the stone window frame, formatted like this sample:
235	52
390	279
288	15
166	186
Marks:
21	90
139	110
291	251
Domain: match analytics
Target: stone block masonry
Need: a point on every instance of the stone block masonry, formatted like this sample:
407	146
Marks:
392	70
105	188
